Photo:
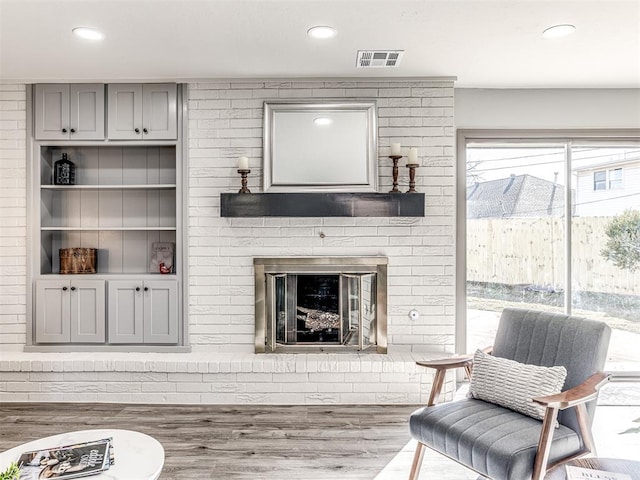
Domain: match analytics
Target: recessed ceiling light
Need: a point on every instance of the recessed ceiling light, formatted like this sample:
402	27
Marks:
322	121
322	31
558	31
88	33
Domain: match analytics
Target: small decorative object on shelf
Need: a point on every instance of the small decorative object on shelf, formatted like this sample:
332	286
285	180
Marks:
243	174
243	170
64	171
161	257
77	260
396	154
395	159
412	164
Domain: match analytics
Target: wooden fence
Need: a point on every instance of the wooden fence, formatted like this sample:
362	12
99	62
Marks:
517	251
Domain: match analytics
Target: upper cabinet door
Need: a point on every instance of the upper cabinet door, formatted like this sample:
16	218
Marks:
142	111
125	111
86	120
159	115
69	112
52	111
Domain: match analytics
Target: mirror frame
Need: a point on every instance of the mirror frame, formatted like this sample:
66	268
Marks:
367	106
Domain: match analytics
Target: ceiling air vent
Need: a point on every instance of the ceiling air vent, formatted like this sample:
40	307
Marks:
379	58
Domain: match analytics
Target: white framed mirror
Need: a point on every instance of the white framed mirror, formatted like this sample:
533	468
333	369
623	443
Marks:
320	146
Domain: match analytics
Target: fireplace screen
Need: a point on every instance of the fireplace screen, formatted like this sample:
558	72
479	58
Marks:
329	307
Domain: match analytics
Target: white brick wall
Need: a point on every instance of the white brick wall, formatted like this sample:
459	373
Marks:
13	217
225	121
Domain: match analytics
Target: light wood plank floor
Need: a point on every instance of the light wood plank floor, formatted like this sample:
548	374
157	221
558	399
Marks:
280	442
235	442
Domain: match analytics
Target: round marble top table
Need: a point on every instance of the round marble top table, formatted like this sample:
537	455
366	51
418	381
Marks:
614	465
136	456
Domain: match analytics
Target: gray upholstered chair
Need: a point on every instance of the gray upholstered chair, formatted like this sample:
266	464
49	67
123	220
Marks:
502	444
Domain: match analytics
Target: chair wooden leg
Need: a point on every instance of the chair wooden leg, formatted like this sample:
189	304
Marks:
544	444
585	432
467	369
436	388
417	462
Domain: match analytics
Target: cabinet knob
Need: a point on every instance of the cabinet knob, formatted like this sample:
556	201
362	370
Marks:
137	130
73	289
137	289
64	130
144	130
146	289
73	130
64	289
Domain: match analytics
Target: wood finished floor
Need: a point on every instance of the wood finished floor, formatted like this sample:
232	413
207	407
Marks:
235	442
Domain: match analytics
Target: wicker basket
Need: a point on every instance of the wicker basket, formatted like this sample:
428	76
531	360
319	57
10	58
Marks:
77	260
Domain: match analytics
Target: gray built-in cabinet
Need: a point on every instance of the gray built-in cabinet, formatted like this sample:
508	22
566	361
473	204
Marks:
142	111
143	312
127	196
69	112
75	311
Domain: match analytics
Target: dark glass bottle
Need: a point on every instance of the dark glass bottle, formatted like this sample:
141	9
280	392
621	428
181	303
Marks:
64	171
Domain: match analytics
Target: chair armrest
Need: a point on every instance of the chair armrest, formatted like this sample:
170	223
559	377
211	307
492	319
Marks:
456	361
587	390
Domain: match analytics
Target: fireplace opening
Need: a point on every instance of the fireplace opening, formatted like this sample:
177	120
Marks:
317	310
322	303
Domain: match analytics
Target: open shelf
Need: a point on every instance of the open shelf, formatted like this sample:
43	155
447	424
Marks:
125	251
123	202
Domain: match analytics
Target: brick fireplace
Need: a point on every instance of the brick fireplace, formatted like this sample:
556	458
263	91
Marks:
224	122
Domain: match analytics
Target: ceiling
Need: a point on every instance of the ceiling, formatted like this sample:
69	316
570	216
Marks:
484	43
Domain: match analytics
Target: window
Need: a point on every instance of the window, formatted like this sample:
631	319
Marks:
615	178
607	179
536	236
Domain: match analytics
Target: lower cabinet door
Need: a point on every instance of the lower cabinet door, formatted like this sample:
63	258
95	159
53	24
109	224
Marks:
125	311
87	311
70	311
53	311
161	312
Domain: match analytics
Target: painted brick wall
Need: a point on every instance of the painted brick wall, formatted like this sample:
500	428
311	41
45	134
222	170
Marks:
225	121
13	217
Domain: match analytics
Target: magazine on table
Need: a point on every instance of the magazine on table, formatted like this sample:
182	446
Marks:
70	461
579	473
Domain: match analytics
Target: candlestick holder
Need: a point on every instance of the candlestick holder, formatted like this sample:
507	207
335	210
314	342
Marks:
243	173
395	159
412	177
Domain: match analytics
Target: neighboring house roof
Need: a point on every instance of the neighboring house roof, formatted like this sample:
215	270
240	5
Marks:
515	196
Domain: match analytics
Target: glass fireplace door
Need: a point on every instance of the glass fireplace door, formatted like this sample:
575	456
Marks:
321	310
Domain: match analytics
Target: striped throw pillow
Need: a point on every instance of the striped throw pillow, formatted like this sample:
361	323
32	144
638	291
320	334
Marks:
513	385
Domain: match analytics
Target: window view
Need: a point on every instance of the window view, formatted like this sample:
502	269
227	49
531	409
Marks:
517	252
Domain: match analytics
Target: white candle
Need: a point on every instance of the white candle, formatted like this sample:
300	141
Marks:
413	156
243	163
396	149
